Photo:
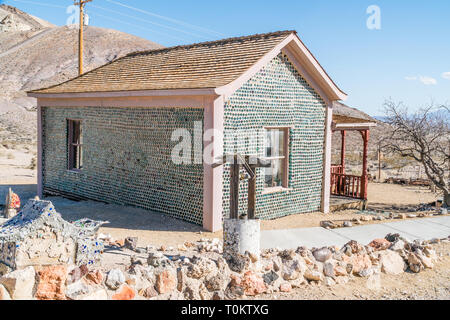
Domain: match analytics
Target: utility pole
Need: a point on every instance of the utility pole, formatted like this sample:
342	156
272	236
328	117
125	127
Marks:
81	4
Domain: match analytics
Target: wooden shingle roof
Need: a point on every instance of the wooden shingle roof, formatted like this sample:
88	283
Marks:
345	114
197	66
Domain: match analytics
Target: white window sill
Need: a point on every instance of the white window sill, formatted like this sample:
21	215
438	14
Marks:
74	171
276	190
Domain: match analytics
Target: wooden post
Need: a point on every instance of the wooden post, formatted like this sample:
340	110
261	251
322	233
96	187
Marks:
81	4
379	162
234	188
235	168
364	177
251	206
343	133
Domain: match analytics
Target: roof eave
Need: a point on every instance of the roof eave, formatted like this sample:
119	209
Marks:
353	126
115	94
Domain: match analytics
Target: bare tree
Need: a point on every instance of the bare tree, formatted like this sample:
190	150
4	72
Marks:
423	136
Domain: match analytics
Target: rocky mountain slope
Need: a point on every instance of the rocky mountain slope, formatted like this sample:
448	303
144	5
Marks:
34	53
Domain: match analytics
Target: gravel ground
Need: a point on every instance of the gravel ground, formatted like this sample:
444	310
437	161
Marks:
427	285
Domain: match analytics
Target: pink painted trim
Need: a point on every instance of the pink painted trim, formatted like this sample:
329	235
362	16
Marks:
213	177
305	59
326	191
230	88
136	102
39	152
137	93
305	74
318	72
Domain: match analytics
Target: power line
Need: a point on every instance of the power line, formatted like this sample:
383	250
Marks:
41	4
167	18
136	26
151	22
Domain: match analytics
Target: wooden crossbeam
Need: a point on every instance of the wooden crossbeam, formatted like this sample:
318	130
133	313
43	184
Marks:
249	163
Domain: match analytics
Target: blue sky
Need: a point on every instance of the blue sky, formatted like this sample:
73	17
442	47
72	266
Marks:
408	59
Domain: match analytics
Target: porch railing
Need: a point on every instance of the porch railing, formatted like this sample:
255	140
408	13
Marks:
337	168
346	185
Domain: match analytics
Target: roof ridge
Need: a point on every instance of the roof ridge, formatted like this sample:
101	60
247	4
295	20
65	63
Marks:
213	42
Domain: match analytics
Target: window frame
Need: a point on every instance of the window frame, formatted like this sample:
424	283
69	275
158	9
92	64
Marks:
286	143
71	161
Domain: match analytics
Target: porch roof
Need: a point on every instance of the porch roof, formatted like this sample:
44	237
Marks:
347	118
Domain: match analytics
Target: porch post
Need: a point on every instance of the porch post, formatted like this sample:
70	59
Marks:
343	133
326	192
364	177
212	177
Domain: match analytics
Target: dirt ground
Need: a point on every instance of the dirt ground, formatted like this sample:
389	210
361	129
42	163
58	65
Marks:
14	167
386	197
158	229
394	194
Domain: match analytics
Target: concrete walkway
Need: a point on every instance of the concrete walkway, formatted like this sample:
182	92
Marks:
423	229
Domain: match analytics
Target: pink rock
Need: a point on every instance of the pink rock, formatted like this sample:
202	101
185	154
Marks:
51	283
340	271
380	244
355	246
124	293
285	287
149	293
253	284
95	276
166	282
359	262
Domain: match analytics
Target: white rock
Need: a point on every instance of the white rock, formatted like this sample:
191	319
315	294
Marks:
312	275
76	289
374	282
398	245
293	269
329	282
391	262
115	279
427	262
342	280
4	294
20	283
100	294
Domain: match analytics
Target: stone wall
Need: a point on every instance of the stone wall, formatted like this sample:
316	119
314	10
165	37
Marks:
127	158
278	96
195	273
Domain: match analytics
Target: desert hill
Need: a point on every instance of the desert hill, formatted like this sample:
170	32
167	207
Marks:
35	53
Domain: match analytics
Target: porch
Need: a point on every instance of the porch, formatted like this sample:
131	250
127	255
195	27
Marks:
341	203
346	188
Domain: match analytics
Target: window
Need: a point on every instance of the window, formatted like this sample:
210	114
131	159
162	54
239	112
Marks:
75	144
276	151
